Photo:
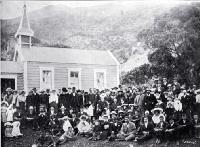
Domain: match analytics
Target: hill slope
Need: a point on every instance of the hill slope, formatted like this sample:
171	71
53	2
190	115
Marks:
108	27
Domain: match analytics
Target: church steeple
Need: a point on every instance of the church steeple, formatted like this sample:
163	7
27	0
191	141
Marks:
24	32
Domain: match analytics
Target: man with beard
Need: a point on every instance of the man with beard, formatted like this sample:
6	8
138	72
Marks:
43	99
115	125
120	96
149	101
164	84
63	99
30	100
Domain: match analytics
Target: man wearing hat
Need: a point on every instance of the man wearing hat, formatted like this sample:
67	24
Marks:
30	100
36	99
149	100
171	132
63	99
114	105
74	99
43	99
164	84
120	96
30	118
42	118
106	128
115	125
127	131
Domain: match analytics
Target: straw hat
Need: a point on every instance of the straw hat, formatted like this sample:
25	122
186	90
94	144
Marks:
157	109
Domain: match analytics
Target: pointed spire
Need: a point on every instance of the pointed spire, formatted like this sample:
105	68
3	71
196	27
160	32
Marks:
24	26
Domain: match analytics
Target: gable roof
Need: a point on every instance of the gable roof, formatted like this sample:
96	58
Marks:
11	67
68	55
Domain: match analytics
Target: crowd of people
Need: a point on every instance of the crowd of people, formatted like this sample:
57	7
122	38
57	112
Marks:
166	111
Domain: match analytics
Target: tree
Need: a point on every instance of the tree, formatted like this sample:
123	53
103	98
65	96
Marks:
174	40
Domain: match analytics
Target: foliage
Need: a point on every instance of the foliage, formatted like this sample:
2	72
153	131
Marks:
174	40
139	75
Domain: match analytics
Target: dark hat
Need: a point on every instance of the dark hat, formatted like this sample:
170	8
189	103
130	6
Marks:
119	91
64	89
34	89
78	90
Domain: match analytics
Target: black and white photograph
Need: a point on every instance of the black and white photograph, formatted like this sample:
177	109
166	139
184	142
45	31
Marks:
110	73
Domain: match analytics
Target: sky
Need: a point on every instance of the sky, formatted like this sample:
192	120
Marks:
12	9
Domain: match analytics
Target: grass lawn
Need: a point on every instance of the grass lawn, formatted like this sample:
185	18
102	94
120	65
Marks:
29	136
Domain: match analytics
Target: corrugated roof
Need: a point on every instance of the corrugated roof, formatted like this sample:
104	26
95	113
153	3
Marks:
11	67
68	55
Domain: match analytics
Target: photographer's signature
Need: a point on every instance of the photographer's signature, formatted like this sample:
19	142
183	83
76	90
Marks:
189	142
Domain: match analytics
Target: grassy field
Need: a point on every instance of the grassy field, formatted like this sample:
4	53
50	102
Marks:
29	137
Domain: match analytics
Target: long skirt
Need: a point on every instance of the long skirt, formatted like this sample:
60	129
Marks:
16	129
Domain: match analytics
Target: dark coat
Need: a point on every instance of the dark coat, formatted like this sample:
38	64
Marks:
30	101
63	99
149	102
149	128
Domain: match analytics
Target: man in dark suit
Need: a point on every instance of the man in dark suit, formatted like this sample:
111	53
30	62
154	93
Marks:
160	130
30	100
30	118
63	99
149	101
145	131
185	126
43	99
36	99
171	132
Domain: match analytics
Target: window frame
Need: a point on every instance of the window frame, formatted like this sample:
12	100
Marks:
41	71
95	77
10	76
79	76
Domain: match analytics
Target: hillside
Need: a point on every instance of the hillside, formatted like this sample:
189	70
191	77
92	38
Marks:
106	27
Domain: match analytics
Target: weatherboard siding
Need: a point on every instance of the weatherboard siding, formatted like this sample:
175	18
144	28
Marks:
20	82
61	74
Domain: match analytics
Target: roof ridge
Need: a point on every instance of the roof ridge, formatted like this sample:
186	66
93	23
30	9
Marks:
67	48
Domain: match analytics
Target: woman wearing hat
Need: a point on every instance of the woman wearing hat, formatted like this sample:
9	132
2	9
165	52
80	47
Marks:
21	99
9	96
157	112
83	126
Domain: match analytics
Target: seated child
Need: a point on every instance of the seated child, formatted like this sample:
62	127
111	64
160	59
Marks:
67	136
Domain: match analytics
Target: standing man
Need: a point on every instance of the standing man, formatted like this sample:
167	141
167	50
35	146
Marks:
63	99
36	99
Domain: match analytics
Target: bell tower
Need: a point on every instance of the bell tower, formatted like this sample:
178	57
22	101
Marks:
24	32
